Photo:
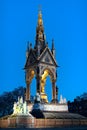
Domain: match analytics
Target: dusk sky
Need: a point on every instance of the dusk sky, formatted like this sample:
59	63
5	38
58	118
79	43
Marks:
65	21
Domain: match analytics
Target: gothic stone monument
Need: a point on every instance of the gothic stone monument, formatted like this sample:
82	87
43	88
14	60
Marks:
41	62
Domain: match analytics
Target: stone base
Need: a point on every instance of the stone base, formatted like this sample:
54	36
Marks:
49	119
51	107
48	107
28	122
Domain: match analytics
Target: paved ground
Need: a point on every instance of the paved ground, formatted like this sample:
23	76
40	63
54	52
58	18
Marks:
69	128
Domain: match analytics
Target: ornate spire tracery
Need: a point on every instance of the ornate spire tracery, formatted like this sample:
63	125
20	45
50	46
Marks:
40	37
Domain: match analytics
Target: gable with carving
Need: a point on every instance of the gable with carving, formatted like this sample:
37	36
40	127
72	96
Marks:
48	58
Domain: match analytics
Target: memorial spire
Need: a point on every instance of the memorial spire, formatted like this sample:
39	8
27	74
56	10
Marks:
40	36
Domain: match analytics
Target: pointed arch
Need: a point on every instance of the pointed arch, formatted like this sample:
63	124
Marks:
29	76
48	72
30	73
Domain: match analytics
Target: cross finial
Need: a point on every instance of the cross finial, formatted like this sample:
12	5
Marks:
40	8
40	21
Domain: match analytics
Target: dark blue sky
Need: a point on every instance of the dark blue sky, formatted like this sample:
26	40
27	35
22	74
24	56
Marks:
65	21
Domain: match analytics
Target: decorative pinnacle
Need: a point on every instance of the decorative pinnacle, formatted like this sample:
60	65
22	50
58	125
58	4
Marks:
28	46
53	44
40	21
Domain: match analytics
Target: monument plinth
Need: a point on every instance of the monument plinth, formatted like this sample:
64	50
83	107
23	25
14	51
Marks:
50	107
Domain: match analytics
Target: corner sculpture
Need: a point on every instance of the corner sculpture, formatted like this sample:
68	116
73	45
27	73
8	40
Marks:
20	108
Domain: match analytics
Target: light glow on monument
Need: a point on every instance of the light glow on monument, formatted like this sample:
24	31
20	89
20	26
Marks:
20	108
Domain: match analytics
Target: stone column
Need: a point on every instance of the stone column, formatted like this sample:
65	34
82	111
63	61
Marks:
38	79
28	91
53	90
56	92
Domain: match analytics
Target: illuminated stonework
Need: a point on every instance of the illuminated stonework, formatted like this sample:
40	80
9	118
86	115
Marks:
40	63
20	108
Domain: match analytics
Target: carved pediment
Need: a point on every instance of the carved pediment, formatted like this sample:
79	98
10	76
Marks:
47	57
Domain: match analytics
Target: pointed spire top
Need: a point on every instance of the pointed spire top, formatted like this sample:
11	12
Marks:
40	21
52	44
27	45
40	36
30	45
53	49
40	9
